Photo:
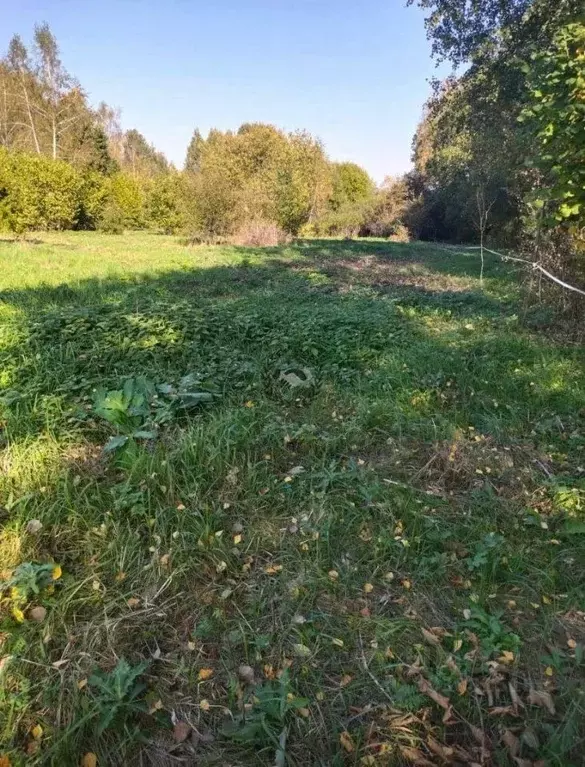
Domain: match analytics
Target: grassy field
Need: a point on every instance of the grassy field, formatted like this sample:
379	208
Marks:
338	519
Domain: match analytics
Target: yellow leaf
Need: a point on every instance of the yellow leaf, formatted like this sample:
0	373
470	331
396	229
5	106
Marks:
121	576
549	671
180	507
457	645
345	680
237	539
37	732
304	712
333	574
571	643
368	588
204	674
272	569
18	615
204	705
57	572
546	600
156	706
462	687
406	583
337	642
320	695
81	684
347	742
165	560
5	761
506	657
89	760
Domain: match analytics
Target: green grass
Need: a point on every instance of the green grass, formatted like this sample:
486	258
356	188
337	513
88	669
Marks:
406	521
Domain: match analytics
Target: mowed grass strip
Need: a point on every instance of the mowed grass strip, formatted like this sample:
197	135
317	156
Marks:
338	519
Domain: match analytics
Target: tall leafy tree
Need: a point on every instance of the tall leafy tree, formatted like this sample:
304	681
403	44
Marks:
194	152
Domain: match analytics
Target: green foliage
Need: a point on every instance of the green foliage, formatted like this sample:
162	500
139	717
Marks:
140	408
350	184
194	152
554	116
116	694
37	193
267	722
126	197
164	204
30	578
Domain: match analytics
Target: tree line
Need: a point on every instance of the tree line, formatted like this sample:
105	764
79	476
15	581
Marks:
499	154
65	164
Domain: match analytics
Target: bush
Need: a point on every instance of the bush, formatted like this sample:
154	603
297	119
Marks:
164	209
112	218
37	193
93	196
126	195
261	234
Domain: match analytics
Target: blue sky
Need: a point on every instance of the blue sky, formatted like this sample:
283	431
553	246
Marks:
353	73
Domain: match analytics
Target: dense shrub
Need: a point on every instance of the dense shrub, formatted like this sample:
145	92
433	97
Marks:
125	193
165	210
261	234
37	192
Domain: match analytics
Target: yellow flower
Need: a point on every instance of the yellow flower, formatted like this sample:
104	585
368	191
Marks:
18	615
57	572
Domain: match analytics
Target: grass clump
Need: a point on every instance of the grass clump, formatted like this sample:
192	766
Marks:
340	520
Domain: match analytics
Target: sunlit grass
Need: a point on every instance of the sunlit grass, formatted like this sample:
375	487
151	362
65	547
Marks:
427	473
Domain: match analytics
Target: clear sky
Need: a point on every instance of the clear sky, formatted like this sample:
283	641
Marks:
353	72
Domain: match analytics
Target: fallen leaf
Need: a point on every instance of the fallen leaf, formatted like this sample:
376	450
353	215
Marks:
37	732
511	742
438	748
57	572
431	638
38	614
337	642
156	706
204	674
462	687
549	671
416	756
180	507
237	539
543	699
272	569
347	742
506	657
165	560
34	526
504	711
301	650
181	731
368	588
571	644
121	576
18	615
333	574
345	680
133	602
304	712
426	689
60	663
457	645
406	583
246	674
81	684
89	760
204	705
5	761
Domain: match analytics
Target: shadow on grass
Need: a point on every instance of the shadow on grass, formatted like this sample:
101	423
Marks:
401	335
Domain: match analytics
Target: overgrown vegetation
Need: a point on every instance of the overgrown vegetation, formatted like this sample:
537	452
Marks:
341	522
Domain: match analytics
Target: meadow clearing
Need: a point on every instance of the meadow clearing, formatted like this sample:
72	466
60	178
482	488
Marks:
319	504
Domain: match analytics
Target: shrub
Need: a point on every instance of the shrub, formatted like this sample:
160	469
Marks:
261	234
125	193
112	218
37	193
164	209
93	195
